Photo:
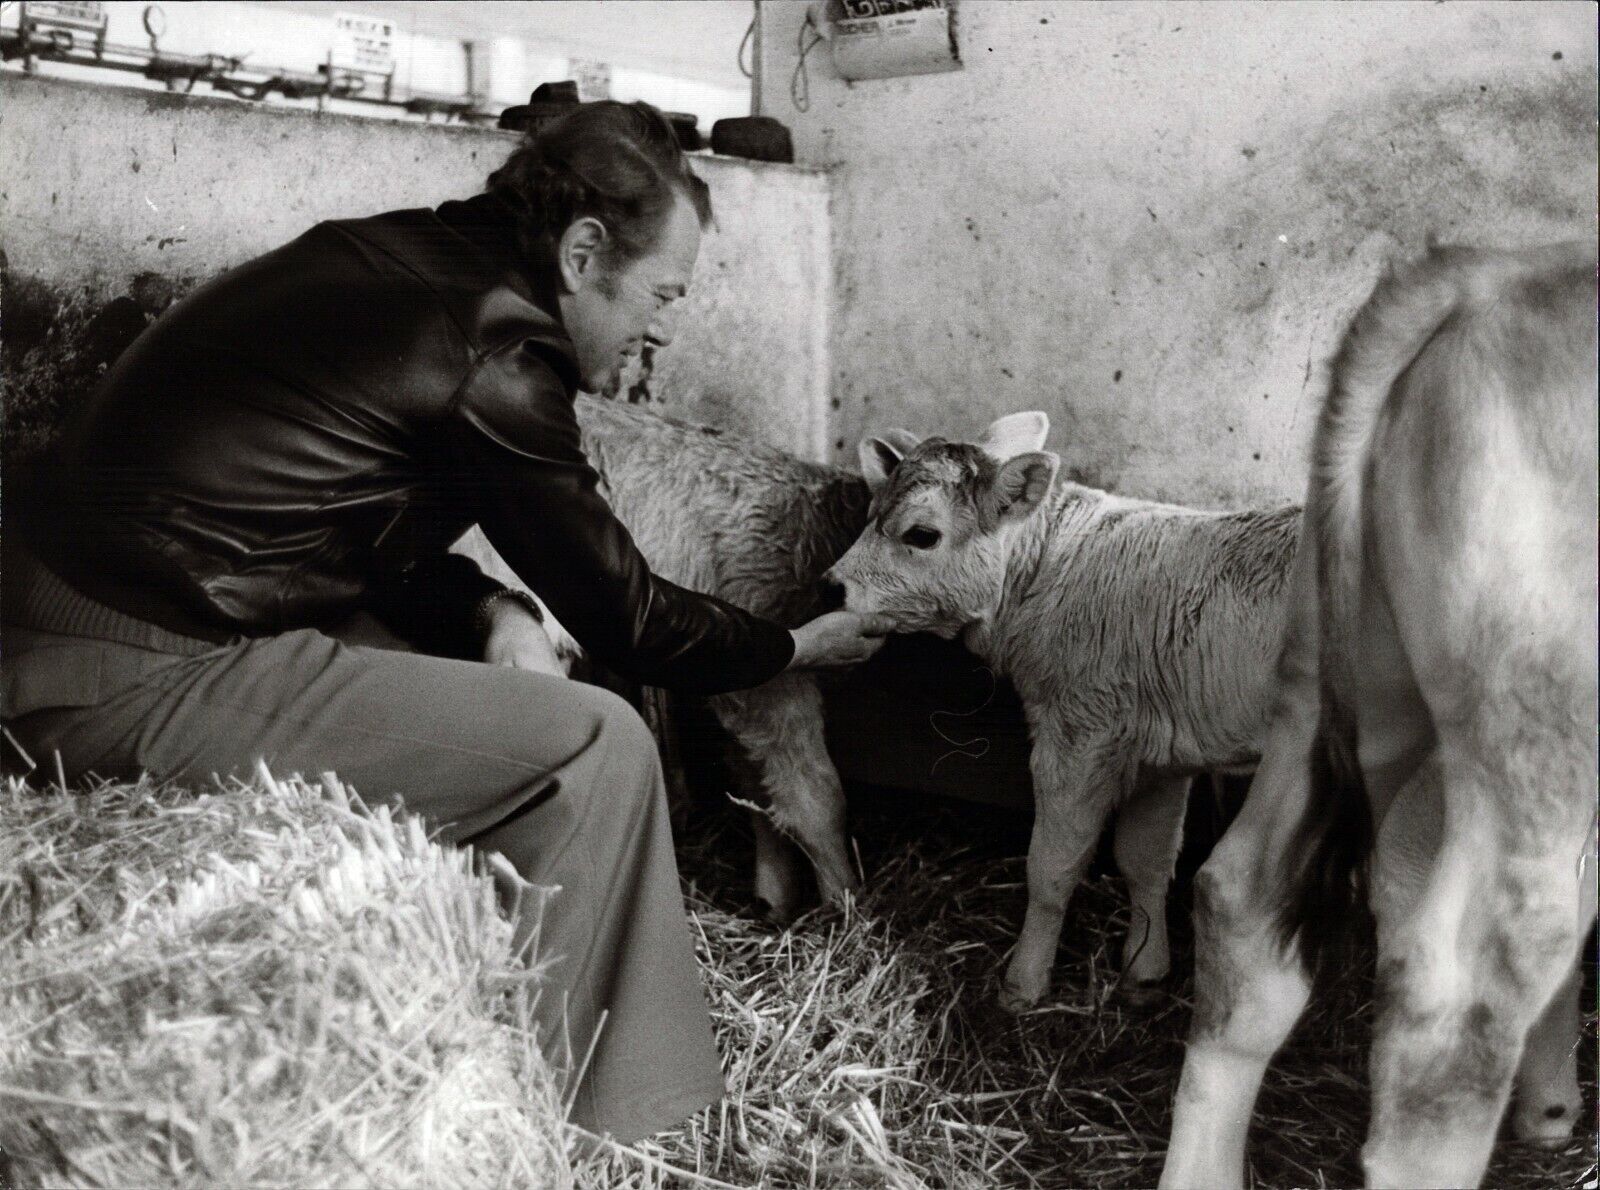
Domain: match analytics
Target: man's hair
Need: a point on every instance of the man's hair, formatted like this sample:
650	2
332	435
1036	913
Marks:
619	163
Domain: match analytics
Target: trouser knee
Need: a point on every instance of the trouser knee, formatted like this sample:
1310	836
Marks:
623	738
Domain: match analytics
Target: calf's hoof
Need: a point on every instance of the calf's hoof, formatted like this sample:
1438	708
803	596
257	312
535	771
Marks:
1544	1121
1017	1001
836	892
1141	993
780	912
1025	984
777	901
1146	969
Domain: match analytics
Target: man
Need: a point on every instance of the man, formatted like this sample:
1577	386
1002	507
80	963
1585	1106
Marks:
297	444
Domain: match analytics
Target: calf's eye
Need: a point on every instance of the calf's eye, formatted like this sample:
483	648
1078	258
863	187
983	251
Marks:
919	537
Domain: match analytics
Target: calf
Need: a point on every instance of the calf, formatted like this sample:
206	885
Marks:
756	527
1139	636
1441	644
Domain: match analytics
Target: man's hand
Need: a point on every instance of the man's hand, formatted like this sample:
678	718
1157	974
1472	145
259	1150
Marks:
839	638
518	640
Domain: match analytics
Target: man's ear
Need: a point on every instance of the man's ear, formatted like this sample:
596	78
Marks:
880	456
578	253
1019	487
1014	434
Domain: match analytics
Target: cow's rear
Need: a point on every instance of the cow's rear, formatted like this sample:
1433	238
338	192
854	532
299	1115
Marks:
1456	516
1443	651
1453	506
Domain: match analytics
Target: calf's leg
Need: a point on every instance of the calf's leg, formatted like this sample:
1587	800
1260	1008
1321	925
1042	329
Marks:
1148	835
776	881
1249	989
780	725
1073	791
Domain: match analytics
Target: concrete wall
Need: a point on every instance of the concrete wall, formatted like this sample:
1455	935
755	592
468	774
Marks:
99	184
1151	220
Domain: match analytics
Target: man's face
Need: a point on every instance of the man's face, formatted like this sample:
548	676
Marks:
612	311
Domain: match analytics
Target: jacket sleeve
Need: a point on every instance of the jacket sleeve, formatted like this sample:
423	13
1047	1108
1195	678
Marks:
430	602
515	433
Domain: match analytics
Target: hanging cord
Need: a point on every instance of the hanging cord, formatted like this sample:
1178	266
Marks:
980	743
744	44
800	84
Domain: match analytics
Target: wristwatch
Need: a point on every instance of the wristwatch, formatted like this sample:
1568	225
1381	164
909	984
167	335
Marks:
483	612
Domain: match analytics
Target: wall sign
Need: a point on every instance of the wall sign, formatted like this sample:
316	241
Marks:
593	78
876	39
363	43
82	15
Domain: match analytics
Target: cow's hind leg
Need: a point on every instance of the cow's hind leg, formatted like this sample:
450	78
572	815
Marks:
1250	988
1148	835
780	726
1547	1096
1469	958
1482	516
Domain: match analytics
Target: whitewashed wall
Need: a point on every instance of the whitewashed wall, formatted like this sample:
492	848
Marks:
1151	219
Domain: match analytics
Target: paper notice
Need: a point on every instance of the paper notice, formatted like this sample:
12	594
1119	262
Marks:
877	39
363	43
593	78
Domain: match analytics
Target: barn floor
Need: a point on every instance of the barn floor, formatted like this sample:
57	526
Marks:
864	1049
1075	1094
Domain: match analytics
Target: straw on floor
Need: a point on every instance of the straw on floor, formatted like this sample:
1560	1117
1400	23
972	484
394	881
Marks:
269	986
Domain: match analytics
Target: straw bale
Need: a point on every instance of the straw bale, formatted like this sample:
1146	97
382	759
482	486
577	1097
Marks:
267	985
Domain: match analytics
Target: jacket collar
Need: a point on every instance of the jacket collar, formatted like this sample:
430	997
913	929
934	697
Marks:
489	221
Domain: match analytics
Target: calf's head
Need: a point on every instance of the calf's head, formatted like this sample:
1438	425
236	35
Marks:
943	516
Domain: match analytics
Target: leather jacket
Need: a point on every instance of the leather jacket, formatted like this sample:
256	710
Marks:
305	436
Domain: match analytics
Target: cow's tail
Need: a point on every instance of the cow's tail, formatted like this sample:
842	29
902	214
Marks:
1327	866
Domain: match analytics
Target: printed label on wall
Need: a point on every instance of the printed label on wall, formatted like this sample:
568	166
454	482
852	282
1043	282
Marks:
876	39
593	78
84	14
363	43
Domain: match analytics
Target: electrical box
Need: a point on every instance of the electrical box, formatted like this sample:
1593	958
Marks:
877	39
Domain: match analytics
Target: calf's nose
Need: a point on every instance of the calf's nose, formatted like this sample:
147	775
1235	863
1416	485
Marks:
831	591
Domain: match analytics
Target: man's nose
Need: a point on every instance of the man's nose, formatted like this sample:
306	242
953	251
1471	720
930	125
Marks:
663	328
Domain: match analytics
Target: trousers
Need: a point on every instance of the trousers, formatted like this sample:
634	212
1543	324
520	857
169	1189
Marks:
561	778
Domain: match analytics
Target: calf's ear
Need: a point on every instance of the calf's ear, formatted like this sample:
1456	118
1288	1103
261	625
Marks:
880	456
903	441
1015	434
1020	486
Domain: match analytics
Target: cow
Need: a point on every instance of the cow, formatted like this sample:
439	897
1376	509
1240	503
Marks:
756	527
1140	637
1433	741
